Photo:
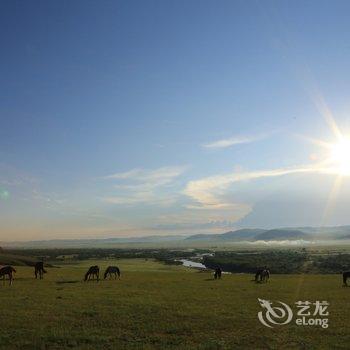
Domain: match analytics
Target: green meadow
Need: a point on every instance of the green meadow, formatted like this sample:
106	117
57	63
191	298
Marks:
158	306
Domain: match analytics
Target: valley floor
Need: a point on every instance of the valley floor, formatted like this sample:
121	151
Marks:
156	306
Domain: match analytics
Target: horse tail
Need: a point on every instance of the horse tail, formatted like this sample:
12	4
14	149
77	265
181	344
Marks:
86	276
105	274
118	272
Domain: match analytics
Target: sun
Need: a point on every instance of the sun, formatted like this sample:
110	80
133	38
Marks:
336	160
340	156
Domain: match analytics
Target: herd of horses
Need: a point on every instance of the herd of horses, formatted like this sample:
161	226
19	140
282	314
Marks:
261	275
93	273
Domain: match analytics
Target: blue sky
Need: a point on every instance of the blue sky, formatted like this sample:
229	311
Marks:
128	118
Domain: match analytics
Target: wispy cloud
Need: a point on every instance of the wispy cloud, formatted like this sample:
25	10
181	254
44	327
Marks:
163	174
145	186
232	141
207	193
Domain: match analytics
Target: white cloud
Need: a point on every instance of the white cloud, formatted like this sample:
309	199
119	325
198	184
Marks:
163	174
145	186
232	141
126	175
208	192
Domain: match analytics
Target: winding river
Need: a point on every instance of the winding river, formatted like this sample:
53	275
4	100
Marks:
195	264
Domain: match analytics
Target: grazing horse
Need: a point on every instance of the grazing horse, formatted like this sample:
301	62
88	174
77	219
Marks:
93	271
265	275
7	270
217	273
346	275
39	269
262	275
112	270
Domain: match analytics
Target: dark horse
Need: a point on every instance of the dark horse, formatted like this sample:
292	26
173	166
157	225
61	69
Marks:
93	271
346	275
112	270
217	273
7	270
262	275
39	269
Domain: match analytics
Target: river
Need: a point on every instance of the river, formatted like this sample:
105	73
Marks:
195	264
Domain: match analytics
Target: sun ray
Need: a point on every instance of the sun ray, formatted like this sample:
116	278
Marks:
337	158
326	113
331	199
316	142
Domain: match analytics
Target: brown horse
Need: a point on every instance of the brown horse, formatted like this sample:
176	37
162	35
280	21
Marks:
39	269
217	273
346	275
93	271
7	270
112	270
265	275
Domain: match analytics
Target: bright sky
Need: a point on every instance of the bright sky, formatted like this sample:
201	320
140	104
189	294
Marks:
130	118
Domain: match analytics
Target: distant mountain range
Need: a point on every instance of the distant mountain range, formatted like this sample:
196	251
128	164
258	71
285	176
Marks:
252	235
280	234
238	235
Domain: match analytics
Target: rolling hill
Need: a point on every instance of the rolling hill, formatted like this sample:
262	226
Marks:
253	235
16	259
282	234
242	234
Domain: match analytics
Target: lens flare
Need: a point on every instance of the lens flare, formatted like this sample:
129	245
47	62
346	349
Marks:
340	156
4	194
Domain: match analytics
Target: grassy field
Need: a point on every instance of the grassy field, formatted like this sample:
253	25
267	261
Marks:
155	306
